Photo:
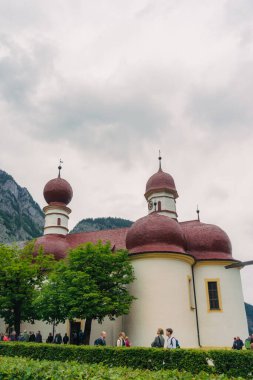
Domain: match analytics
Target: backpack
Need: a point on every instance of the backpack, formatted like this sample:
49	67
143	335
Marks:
177	342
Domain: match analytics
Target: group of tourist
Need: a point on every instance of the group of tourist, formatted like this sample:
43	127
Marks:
159	341
122	341
22	337
238	343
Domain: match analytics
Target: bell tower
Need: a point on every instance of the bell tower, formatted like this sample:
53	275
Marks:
57	193
161	193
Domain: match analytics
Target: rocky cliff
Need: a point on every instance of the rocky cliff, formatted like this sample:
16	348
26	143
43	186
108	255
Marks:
20	217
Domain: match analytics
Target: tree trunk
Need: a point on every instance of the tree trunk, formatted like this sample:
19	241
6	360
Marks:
17	319
87	331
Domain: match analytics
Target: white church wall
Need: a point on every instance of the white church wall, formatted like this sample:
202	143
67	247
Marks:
162	291
217	328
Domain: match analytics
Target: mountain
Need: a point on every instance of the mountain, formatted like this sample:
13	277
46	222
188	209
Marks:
249	313
20	217
97	224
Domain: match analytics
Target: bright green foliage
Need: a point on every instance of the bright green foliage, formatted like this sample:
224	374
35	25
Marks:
224	362
21	275
25	369
91	283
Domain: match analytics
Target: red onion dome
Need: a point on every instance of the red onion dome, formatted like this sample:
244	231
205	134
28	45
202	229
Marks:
161	181
54	244
206	241
58	190
155	233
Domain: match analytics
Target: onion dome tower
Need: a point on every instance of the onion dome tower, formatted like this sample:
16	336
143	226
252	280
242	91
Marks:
57	193
206	241
155	233
161	193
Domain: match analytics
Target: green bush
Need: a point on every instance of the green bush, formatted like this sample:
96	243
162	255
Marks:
233	362
229	362
28	369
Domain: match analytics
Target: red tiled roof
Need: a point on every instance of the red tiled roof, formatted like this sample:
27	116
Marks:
117	237
202	241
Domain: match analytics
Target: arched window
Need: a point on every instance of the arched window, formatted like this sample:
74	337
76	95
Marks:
58	221
159	206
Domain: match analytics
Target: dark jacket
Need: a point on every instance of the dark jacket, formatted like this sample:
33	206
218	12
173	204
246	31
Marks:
38	338
100	342
32	338
158	342
50	339
238	344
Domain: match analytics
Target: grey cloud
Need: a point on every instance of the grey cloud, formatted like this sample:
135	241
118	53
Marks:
100	119
23	69
225	110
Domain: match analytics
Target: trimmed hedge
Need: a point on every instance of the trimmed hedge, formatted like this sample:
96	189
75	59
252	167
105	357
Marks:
28	369
229	362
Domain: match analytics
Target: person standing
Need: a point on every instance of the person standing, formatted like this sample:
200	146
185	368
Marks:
171	340
121	339
159	339
65	339
127	342
6	338
101	340
38	337
26	336
58	338
13	336
238	344
247	343
50	338
32	337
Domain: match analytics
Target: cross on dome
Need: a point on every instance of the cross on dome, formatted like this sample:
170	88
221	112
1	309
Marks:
60	168
160	161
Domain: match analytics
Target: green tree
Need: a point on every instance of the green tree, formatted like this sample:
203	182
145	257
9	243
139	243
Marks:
91	283
21	275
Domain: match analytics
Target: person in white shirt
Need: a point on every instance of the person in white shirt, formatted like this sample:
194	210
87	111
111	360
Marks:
171	341
121	340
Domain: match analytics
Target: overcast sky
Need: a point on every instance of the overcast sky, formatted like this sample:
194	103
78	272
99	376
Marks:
105	84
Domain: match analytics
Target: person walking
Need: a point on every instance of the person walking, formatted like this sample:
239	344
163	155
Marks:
65	339
159	339
50	338
58	338
121	339
238	344
38	337
171	340
127	342
101	340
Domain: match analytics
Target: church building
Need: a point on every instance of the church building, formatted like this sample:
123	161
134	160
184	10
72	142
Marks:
181	279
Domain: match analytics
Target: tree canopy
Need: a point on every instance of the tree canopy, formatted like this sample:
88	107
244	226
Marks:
21	275
91	283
